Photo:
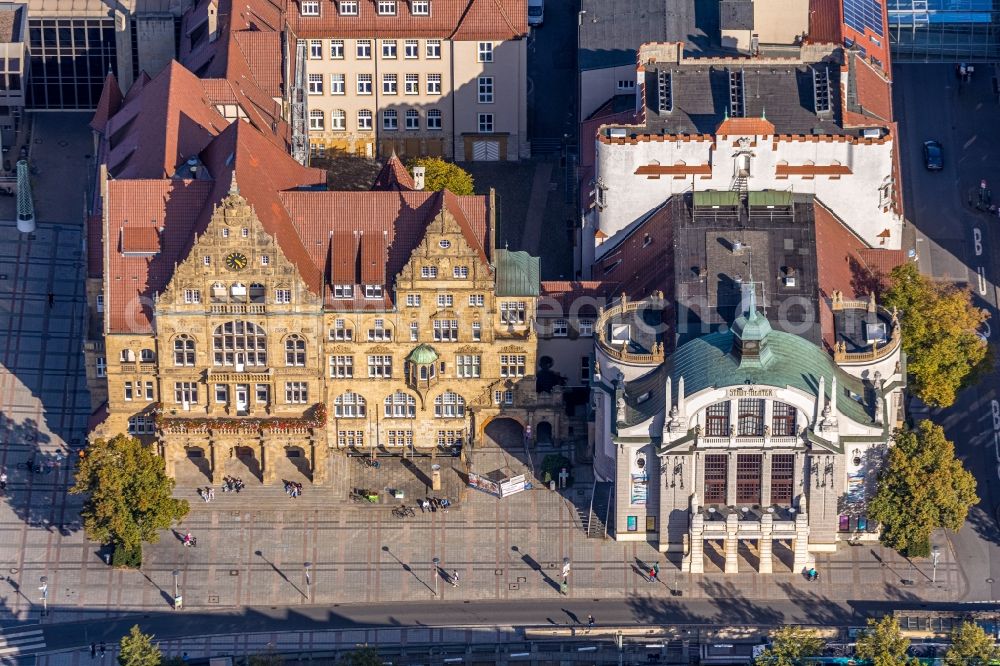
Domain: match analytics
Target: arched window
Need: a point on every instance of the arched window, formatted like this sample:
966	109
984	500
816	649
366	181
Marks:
449	405
219	293
239	343
183	350
128	356
751	417
257	292
350	405
338	120
400	405
147	355
782	419
239	292
295	350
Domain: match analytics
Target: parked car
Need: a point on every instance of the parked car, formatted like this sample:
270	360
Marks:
933	156
536	13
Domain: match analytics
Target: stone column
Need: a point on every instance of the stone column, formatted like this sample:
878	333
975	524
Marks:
267	466
694	562
320	463
765	478
734	417
217	466
732	544
797	469
766	544
801	545
731	480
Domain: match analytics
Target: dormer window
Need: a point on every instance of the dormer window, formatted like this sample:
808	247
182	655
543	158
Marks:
386	7
373	291
348	7
343	291
420	7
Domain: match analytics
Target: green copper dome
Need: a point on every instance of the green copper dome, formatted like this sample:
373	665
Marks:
422	355
750	331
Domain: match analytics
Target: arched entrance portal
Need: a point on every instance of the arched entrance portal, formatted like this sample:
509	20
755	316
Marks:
243	462
195	468
504	432
544	435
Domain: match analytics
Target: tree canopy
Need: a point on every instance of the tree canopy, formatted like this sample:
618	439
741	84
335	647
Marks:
970	646
440	174
366	656
939	325
883	644
138	649
129	494
921	487
789	645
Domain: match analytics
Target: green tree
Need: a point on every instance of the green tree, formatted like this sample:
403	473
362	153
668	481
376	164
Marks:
883	644
939	326
138	649
921	487
970	646
789	645
366	656
441	175
269	657
129	496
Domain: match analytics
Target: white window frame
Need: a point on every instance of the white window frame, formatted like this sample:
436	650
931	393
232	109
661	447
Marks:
429	272
484	52
364	84
101	366
296	393
413	300
342	366
373	291
586	328
317	120
348	7
363	49
315	49
309	8
432	49
343	291
411	49
128	391
315	84
477	300
445	300
485	89
336	49
420	7
386	7
411	84
390	84
485	123
560	328
390	120
411	120
380	366
434	119
433	84
390	49
460	272
414	331
365	121
338	120
338	84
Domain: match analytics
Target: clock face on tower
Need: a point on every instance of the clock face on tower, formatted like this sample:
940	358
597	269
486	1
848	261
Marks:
236	261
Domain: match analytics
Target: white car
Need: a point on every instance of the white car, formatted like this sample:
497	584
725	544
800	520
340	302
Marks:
536	13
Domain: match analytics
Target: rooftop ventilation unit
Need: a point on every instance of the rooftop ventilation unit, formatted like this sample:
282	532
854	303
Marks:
664	92
821	90
737	96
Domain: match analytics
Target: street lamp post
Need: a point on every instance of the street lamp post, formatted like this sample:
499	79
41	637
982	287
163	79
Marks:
44	589
437	569
177	590
565	575
935	556
308	566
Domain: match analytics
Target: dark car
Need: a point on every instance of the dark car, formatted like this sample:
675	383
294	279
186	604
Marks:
933	156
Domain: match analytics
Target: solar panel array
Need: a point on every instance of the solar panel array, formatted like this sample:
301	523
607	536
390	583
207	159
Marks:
861	14
821	90
737	96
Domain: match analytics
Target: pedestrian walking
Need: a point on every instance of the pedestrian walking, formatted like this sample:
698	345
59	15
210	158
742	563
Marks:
3	480
454	578
102	649
187	539
93	650
656	570
590	622
652	575
211	494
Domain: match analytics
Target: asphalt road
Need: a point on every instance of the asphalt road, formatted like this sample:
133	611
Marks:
957	243
552	74
715	614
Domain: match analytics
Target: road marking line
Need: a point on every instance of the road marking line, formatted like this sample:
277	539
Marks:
15	640
20	650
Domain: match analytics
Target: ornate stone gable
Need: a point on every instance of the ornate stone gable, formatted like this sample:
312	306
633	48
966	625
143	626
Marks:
234	261
445	247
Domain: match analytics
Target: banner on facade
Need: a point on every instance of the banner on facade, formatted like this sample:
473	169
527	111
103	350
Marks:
511	486
640	483
480	482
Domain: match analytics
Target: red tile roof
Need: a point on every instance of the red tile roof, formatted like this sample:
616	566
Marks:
824	21
566	294
745	126
140	240
108	105
262	51
95	246
458	19
637	265
167	122
680	169
393	176
137	86
874	90
812	170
